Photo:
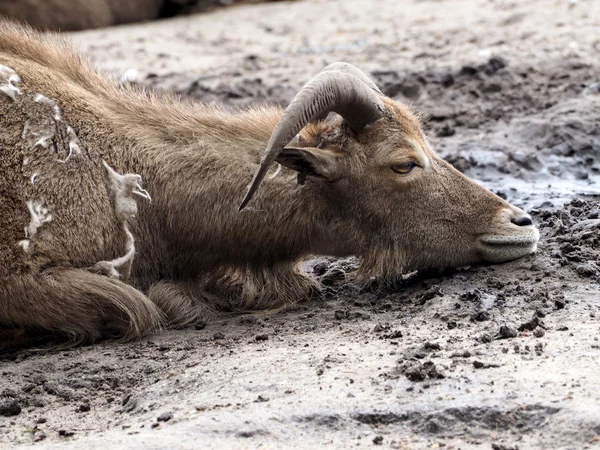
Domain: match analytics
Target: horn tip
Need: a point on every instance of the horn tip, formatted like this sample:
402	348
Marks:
249	194
244	203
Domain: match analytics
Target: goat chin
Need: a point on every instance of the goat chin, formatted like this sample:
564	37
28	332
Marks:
120	210
499	248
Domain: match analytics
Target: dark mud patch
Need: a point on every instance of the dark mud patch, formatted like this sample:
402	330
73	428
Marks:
474	95
452	420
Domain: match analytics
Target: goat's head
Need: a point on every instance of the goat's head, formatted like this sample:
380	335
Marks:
407	208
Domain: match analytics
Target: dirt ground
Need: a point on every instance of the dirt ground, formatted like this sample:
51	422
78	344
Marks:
498	357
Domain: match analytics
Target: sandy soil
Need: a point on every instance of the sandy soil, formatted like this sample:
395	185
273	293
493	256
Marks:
493	357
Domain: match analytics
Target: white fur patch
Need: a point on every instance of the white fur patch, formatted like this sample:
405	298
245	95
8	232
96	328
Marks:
119	267
39	216
38	135
39	98
43	125
8	80
124	187
25	244
74	147
44	120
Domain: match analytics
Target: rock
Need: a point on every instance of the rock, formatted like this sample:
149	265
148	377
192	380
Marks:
420	371
507	332
532	324
84	407
340	314
484	365
539	332
10	408
66	433
165	417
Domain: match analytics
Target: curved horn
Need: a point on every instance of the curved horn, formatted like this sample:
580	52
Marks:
349	68
340	88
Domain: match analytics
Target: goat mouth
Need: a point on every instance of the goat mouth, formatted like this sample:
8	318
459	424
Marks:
501	248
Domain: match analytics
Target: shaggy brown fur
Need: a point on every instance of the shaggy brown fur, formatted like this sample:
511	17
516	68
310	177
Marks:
63	227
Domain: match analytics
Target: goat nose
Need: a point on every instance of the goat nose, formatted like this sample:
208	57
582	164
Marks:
522	220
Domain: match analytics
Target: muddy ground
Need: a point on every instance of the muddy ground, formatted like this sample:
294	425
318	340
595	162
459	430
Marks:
498	357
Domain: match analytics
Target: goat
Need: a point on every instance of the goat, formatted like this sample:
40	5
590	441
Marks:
87	252
67	15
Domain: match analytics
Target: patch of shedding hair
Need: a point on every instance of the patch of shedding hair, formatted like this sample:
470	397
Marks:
44	118
39	216
124	187
25	244
74	147
119	268
36	135
8	79
39	98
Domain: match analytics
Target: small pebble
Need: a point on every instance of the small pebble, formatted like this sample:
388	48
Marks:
539	332
165	417
507	332
10	408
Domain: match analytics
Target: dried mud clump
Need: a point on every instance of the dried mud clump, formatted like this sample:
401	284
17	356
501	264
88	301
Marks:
575	233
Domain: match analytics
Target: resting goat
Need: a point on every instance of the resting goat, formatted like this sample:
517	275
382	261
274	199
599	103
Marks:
86	252
67	15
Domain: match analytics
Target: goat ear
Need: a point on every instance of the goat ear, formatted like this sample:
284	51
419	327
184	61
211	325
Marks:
310	161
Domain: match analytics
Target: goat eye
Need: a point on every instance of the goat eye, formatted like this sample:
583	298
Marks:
404	168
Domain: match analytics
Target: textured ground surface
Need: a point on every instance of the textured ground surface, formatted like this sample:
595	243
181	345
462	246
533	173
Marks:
492	357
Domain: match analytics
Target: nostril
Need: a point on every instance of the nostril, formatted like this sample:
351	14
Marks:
522	221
